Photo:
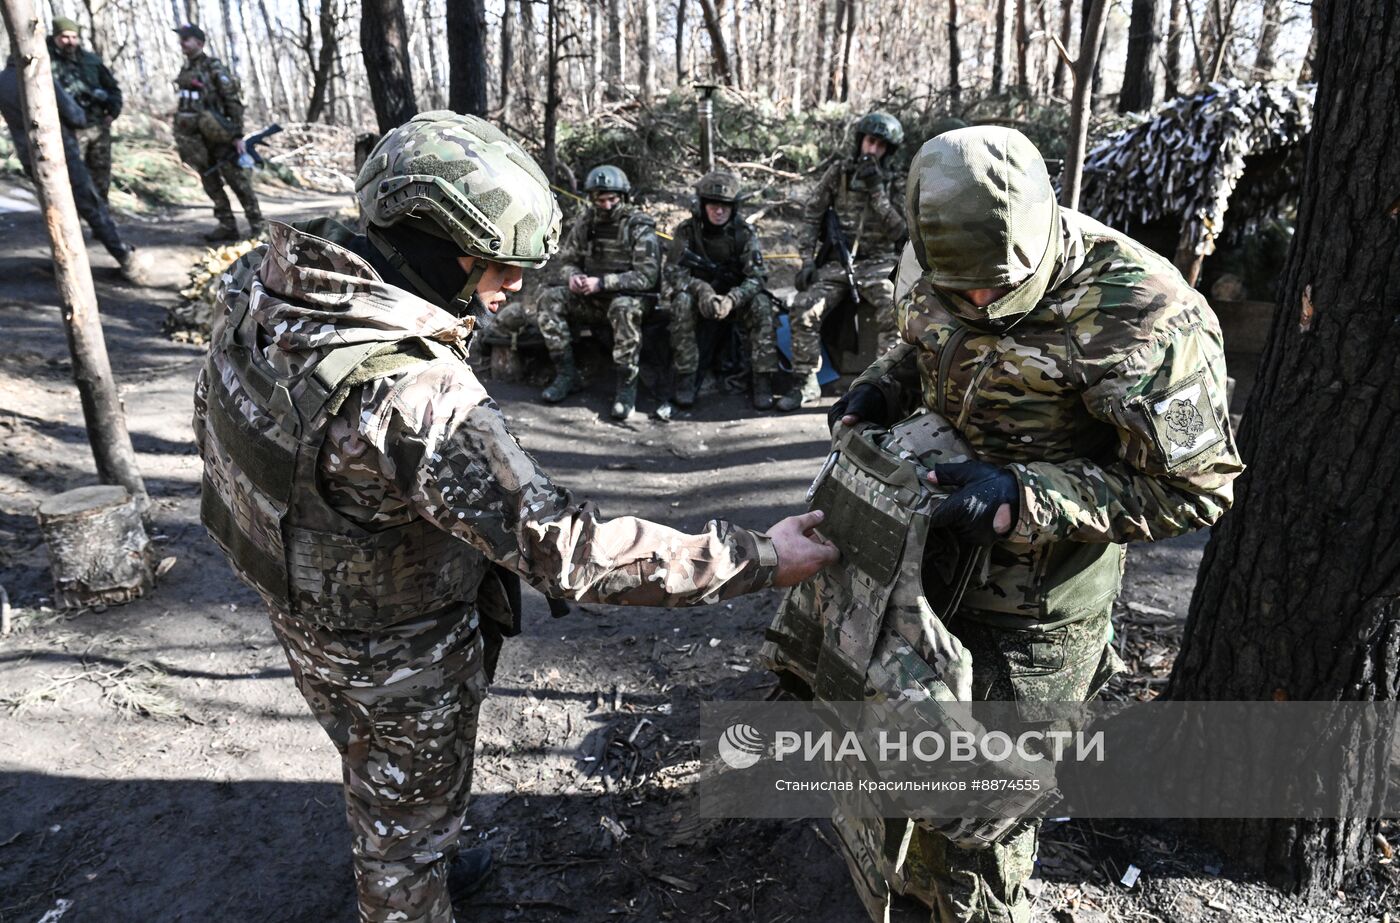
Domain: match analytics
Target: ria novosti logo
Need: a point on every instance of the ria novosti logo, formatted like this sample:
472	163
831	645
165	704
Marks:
740	746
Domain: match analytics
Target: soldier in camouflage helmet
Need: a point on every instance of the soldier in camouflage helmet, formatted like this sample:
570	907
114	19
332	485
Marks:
1089	380
714	269
209	134
84	77
612	264
858	188
363	482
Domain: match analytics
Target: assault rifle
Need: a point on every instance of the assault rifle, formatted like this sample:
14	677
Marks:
834	244
250	150
725	277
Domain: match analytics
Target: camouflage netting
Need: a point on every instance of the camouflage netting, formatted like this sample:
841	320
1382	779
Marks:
1187	161
192	319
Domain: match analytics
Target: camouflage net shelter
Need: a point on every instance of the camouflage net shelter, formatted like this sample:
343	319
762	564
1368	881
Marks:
1235	147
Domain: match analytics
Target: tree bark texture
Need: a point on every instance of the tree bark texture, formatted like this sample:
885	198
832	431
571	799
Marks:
92	371
614	41
1271	16
954	58
1140	73
1176	28
98	550
646	48
1066	35
719	51
848	52
384	46
507	59
466	55
1023	77
324	62
1299	591
999	50
1084	67
680	42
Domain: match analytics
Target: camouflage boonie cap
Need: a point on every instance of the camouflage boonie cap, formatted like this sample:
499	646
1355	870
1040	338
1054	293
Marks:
881	125
459	177
607	178
982	214
718	186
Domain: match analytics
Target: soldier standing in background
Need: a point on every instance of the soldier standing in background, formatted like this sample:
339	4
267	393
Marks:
858	188
714	269
612	261
1089	379
383	510
87	80
209	135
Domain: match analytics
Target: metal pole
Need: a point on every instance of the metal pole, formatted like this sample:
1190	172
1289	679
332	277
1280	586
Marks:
705	106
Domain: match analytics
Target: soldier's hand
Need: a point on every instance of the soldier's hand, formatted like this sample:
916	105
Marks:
577	283
861	403
984	505
718	307
805	275
592	285
801	551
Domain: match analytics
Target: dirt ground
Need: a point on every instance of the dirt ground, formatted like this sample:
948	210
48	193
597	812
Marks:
158	764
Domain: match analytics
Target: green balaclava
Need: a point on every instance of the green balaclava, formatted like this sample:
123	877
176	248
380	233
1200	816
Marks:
982	214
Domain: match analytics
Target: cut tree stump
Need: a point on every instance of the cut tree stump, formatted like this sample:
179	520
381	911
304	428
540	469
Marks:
98	549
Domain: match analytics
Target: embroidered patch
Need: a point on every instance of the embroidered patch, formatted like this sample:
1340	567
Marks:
1184	421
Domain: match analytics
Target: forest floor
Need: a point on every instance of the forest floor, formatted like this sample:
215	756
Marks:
158	763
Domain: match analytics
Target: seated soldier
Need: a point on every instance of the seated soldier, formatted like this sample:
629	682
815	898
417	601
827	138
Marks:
612	262
715	269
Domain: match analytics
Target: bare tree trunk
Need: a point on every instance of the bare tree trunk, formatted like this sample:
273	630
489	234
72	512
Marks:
680	42
507	58
230	36
821	79
1140	73
1066	34
1084	67
999	50
551	98
847	60
1175	28
529	46
798	59
1023	79
92	371
838	24
1317	617
1264	59
283	73
466	56
718	51
325	61
954	59
646	50
616	74
384	47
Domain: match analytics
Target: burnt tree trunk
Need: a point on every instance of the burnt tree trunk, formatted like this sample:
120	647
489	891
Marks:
92	371
384	45
1299	592
466	57
1140	74
680	42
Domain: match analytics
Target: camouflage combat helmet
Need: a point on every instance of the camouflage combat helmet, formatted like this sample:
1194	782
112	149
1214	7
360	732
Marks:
718	186
460	178
607	178
881	125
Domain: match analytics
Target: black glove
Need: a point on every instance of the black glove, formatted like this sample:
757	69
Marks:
865	401
979	489
803	280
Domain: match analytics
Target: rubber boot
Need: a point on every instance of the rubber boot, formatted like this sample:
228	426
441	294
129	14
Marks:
762	391
223	234
470	870
685	389
566	380
626	397
807	392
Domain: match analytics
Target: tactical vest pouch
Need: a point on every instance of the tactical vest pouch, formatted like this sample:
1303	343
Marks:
215	128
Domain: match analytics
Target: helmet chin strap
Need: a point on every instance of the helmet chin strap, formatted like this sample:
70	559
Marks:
462	304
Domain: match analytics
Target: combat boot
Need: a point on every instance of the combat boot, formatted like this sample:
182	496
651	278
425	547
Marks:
257	228
626	397
566	380
130	265
224	233
685	389
469	871
762	391
805	393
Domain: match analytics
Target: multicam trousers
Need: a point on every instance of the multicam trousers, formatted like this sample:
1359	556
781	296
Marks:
755	315
96	144
216	167
557	308
1066	664
830	289
401	706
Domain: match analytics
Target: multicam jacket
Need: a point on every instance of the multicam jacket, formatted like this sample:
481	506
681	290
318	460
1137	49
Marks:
733	249
872	222
421	443
204	84
81	73
623	252
1107	400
